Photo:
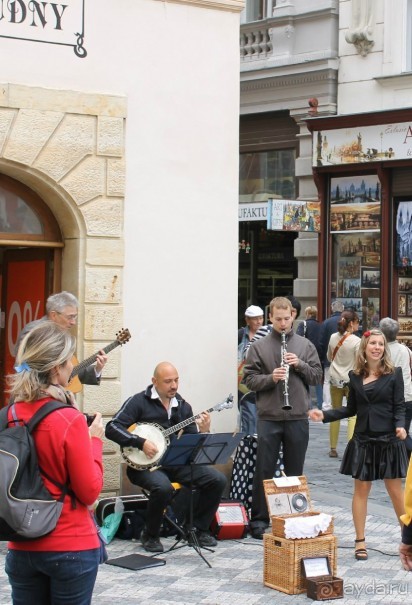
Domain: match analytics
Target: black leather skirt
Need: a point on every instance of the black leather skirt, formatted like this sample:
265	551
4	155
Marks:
379	457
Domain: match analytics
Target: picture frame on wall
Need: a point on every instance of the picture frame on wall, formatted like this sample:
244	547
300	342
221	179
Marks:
364	245
370	277
405	284
409	305
353	304
405	324
403	241
402	304
351	288
349	268
355	203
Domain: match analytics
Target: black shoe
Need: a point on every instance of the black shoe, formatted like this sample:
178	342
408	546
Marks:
151	544
257	532
203	538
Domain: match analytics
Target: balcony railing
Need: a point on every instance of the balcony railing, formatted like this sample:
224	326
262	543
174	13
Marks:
255	40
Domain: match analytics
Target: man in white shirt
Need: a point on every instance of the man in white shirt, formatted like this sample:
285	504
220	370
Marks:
401	357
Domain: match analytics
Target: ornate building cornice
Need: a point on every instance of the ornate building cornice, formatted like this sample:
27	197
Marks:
234	6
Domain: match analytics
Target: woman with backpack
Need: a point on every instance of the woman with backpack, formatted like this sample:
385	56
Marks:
60	567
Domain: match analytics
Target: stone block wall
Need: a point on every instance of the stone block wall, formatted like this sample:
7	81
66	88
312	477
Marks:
69	148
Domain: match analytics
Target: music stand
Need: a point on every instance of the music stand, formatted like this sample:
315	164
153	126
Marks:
195	449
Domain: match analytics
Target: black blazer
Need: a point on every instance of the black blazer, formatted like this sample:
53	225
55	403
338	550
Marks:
383	413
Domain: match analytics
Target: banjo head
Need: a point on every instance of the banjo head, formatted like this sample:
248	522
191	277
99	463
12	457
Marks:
136	458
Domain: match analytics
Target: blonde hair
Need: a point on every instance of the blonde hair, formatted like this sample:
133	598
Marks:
311	312
46	346
361	364
280	302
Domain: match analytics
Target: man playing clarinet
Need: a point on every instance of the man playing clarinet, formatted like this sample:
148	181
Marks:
280	373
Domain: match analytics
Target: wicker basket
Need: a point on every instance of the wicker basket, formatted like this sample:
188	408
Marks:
278	524
282	568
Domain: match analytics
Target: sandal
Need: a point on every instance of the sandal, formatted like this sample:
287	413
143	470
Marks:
361	554
333	453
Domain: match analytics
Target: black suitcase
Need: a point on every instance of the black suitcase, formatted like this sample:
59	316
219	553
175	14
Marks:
137	502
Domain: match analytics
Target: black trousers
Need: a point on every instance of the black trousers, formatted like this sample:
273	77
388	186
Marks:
209	482
294	437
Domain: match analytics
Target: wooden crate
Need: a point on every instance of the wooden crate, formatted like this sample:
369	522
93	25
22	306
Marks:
278	524
282	568
324	588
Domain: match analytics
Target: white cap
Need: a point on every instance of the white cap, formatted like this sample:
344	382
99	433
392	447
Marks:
253	311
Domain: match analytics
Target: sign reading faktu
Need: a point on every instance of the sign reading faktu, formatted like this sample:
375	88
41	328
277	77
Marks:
46	22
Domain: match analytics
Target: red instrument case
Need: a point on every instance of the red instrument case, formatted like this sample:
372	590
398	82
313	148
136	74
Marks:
230	521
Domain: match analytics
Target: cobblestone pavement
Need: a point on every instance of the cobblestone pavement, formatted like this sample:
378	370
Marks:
236	575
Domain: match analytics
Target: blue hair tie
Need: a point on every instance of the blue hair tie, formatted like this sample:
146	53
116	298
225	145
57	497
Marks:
23	366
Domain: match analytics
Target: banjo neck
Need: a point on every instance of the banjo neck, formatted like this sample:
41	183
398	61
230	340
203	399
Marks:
181	425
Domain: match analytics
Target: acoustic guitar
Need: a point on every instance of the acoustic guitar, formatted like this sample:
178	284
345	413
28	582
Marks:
75	386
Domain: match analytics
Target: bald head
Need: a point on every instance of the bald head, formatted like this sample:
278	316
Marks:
165	380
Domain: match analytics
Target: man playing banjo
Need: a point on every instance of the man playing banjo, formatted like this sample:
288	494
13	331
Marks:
160	403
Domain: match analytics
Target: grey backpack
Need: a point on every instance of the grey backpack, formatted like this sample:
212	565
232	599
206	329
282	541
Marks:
27	509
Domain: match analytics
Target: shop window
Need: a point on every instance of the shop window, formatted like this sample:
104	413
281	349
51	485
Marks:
23	215
267	172
16	216
355	227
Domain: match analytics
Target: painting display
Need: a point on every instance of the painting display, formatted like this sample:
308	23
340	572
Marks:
403	245
361	144
355	220
293	215
355	204
405	303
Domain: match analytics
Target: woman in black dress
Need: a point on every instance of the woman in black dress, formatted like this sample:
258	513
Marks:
377	449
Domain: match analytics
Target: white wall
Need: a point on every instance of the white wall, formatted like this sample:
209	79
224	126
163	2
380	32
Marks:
377	81
178	66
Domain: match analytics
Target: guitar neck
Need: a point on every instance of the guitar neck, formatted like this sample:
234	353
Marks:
87	362
181	425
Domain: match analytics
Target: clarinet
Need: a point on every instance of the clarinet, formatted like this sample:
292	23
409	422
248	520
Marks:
283	350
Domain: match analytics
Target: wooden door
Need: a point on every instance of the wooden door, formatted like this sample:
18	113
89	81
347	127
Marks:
25	288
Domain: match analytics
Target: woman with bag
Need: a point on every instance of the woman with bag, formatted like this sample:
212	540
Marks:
342	349
61	567
377	449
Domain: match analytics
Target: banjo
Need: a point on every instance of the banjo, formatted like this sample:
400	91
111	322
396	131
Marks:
138	460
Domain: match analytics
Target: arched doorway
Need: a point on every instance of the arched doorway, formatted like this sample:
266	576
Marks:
30	263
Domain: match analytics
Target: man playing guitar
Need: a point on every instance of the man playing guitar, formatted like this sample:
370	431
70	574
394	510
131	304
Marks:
160	403
62	308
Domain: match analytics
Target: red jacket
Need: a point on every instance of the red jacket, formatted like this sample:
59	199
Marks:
66	453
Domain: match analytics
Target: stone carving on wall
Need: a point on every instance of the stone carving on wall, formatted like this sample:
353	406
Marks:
360	34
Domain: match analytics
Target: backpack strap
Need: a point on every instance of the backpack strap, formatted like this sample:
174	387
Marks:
44	411
338	346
